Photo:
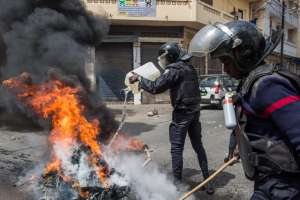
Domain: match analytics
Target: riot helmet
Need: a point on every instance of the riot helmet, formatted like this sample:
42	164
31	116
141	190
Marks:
239	41
170	53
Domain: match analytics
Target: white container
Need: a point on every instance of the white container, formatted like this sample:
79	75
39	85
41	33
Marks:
148	71
229	112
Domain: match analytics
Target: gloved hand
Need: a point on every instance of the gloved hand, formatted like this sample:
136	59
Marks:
134	78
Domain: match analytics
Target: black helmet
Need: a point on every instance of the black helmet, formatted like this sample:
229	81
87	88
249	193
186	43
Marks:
171	50
238	40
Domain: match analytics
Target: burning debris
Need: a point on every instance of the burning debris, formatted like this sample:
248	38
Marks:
78	167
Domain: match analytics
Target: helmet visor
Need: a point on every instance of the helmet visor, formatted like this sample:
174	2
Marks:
208	39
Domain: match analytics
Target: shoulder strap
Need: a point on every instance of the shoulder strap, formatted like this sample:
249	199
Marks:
254	76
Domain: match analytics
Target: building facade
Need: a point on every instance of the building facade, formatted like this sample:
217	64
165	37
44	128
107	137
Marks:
138	29
268	16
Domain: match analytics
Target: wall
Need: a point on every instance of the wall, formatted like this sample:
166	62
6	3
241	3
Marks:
180	12
298	40
229	5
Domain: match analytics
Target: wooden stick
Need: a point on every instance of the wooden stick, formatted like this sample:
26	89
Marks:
224	166
148	157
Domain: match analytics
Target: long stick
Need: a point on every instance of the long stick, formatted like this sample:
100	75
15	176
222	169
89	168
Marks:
124	114
224	166
148	157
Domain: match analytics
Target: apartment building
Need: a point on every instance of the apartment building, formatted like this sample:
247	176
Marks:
267	14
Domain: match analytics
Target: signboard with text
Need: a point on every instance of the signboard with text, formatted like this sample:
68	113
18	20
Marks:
138	8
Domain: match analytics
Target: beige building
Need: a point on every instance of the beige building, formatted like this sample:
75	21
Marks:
268	15
139	27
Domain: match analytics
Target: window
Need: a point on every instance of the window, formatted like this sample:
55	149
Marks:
230	82
292	36
208	81
240	14
209	2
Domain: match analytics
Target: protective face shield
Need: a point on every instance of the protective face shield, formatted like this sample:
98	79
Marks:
209	38
237	41
162	60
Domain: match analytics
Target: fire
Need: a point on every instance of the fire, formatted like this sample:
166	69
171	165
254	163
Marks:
72	132
61	104
123	142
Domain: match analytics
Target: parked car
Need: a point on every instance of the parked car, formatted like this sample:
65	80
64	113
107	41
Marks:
214	86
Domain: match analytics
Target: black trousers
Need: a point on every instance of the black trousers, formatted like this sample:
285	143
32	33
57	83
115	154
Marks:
232	142
277	189
183	123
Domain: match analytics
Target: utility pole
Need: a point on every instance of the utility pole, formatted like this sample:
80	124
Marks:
282	28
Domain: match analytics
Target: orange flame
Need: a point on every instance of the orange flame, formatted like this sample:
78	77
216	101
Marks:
61	103
126	143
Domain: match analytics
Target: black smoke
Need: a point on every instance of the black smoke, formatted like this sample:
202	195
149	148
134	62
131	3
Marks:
39	36
42	33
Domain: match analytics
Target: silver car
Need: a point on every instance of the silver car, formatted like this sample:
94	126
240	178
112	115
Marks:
214	86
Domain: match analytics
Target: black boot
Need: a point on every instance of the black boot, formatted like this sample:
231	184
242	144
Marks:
210	188
204	168
228	157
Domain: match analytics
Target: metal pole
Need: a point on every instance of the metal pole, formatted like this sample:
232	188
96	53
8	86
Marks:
282	28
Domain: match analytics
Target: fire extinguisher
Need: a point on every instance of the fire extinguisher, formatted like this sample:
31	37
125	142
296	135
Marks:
229	112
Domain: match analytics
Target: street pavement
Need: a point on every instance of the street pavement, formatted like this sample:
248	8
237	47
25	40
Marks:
21	149
230	185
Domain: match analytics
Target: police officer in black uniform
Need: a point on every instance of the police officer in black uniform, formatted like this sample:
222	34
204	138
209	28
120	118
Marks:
268	106
181	78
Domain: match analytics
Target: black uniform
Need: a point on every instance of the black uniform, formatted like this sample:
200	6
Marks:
182	81
270	135
268	110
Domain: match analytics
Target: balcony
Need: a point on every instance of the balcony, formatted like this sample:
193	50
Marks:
207	14
275	9
191	11
289	49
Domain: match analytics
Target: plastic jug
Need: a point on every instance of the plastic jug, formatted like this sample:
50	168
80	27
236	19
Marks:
148	71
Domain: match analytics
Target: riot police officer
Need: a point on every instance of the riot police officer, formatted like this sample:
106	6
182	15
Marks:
181	78
269	106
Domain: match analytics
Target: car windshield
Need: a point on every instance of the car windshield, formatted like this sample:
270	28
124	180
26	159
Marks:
208	81
230	82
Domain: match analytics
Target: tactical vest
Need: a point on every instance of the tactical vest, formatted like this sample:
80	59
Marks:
185	95
260	155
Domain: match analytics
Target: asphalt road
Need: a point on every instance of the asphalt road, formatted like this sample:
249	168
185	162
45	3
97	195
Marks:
231	184
23	149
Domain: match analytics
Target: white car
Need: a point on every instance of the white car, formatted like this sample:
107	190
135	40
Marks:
214	86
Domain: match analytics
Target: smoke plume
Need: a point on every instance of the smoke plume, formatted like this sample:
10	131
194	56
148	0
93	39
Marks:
46	37
147	183
39	34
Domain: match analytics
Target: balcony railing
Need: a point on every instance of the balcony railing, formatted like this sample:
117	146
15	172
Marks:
209	14
275	8
289	49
